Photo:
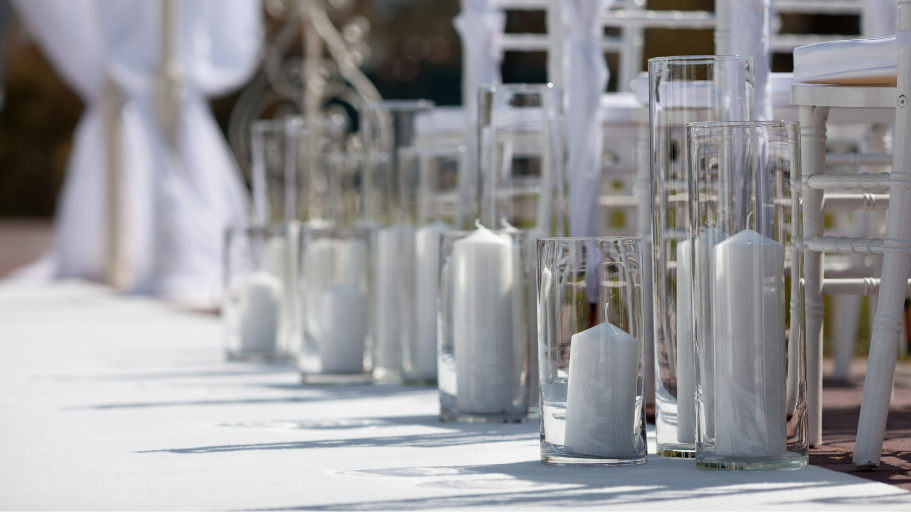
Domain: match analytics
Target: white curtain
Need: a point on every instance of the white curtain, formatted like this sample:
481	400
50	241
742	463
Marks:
586	80
176	204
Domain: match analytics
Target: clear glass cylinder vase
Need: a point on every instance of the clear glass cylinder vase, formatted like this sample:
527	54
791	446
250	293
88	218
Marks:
682	90
256	291
287	176
745	269
431	192
521	167
590	346
336	290
385	128
484	319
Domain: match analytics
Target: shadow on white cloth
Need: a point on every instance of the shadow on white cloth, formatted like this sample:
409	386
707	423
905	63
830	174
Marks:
176	204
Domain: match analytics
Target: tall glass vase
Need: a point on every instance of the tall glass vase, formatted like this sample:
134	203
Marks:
431	191
744	266
682	90
385	127
521	159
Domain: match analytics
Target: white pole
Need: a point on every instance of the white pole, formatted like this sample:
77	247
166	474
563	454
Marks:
116	269
887	325
170	74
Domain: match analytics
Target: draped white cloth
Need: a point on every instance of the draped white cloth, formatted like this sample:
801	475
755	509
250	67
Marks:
176	204
750	35
480	26
586	80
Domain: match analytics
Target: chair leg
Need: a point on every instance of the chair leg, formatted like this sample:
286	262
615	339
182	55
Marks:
813	155
887	324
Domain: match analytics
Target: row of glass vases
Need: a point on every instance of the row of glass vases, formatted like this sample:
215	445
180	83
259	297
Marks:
729	360
378	214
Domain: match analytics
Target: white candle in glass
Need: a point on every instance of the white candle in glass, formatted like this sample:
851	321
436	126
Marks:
686	370
351	266
427	283
394	294
343	327
260	302
281	255
602	392
319	274
686	365
749	338
482	280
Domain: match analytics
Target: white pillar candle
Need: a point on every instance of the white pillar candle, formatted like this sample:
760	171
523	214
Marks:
343	327
424	361
686	352
394	294
602	389
280	261
482	280
260	303
351	267
750	376
686	371
319	274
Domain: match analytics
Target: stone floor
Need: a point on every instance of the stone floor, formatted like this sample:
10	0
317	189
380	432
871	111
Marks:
23	240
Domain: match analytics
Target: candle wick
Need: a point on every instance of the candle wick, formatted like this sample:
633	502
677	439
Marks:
507	225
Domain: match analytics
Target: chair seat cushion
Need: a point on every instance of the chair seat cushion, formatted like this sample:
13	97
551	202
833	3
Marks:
855	61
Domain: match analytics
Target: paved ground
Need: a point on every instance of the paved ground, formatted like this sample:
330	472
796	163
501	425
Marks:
21	241
841	409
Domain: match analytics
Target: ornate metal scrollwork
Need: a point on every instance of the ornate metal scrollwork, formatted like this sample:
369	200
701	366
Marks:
325	77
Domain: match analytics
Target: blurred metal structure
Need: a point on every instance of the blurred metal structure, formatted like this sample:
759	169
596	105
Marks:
327	68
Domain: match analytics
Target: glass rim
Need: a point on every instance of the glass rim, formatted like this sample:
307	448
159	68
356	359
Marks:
433	150
304	123
608	238
419	105
701	59
257	227
742	124
520	87
350	231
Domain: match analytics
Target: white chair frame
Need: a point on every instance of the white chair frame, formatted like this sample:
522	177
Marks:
815	104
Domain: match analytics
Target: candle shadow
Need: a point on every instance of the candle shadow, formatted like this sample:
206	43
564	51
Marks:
313	394
531	484
434	440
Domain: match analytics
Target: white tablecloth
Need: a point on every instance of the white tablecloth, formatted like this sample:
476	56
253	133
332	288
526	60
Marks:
126	403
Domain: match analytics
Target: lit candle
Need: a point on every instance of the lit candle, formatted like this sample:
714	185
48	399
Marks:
602	392
686	350
319	274
395	248
343	327
428	283
748	319
482	279
260	300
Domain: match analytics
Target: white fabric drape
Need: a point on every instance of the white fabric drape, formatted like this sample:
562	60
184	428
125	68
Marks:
480	27
586	80
176	204
750	36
